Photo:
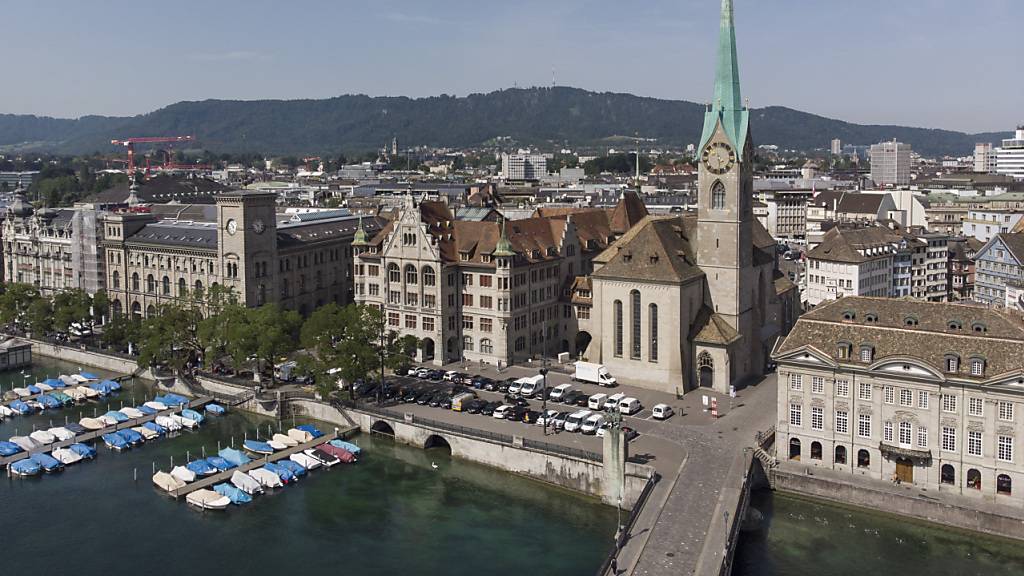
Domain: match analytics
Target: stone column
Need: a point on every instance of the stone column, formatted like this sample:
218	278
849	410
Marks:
614	473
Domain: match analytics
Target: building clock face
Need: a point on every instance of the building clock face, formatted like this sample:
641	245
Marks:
232	227
258	226
719	158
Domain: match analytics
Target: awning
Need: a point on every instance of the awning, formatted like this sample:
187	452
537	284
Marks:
893	452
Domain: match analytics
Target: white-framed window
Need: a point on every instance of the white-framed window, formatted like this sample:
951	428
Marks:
842	422
948	439
948	403
817	418
975	406
864	391
1006	448
796	382
977	367
906	397
889	394
906	434
842	388
974	443
865	354
1006	411
922	437
864	425
795	415
922	400
887	431
817	385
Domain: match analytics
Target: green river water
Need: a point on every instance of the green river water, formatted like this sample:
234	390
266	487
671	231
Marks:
390	513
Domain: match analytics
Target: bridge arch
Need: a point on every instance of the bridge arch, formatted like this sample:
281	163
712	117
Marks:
382	427
438	442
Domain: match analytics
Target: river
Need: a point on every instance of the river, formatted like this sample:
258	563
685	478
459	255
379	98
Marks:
390	513
803	537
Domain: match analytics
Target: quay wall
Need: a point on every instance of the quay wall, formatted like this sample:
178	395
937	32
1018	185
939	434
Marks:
911	505
84	356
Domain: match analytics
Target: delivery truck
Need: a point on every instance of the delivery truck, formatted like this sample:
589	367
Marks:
593	373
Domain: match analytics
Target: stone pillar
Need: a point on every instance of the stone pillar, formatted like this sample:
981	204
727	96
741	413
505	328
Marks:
613	489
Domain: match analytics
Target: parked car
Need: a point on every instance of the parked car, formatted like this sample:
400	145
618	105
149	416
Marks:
583	400
423	398
571	396
629	406
558	422
628	432
410	395
421	373
517	413
481	383
403	371
558	392
476	406
461	401
489	408
592	424
532	416
547	417
435	375
612	402
515	387
662	412
503	386
502	411
531	385
596	401
491	385
574	421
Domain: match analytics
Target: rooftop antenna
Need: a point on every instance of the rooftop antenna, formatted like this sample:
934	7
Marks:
552	76
637	162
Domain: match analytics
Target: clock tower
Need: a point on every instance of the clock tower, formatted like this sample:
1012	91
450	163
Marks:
247	244
724	190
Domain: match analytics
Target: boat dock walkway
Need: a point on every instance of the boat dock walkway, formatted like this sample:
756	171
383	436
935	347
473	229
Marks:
93	434
8	396
259	462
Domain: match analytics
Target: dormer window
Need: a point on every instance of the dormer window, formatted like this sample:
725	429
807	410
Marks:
849	316
867	353
955	325
952	363
870	318
486	258
910	321
979	327
654	259
464	256
844	350
977	367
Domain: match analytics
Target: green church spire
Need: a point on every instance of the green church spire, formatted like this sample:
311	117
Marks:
727	107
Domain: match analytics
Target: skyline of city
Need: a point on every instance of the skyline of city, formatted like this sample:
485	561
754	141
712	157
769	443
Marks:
229	52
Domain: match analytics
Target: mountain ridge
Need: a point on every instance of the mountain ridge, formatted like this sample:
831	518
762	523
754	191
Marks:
537	116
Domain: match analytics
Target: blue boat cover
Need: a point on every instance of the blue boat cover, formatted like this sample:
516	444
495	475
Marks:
63	398
111	385
48	401
146	410
9	448
26	467
34	389
131	435
155	427
220	463
48	462
115	440
257	446
83	450
293	467
102	387
20	407
311	429
355	450
89	375
54	382
201	467
283	473
234	494
172	400
119	416
192	415
215	409
236	457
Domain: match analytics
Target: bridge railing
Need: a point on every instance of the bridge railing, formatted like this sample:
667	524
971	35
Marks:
626	528
563	450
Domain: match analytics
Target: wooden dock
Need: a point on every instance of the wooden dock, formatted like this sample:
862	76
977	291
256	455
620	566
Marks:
93	434
259	462
9	396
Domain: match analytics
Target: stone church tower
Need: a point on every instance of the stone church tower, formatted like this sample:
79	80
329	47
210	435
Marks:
725	215
247	244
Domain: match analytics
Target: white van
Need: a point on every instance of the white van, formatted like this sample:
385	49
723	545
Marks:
573	423
629	406
612	403
596	402
592	424
516	386
501	411
532	385
559	392
661	412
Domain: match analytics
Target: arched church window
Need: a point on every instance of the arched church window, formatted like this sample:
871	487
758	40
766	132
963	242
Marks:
718	196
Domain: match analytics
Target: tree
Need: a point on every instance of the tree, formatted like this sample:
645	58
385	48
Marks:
100	306
15	302
170	336
265	333
120	331
71	306
39	317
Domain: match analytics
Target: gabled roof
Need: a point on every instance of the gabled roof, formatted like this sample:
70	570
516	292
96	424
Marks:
629	211
714	329
656	249
844	245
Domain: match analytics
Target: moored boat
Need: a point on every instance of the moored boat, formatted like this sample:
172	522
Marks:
327	460
87	376
192	415
236	457
246	483
27	444
299	436
236	495
257	447
75	394
169	423
339	453
133	413
64	399
266	478
208	500
107	420
146	433
84	450
92	424
20	407
184	422
21	392
305	460
56	383
158	406
215	409
146	410
48	402
6	411
26	467
285	439
355	450
43	437
201	467
155	428
49	463
66	456
61	433
286	475
9	449
75	428
88	392
133	437
117	416
115	441
310	429
166	482
184	474
44	386
277	445
220	464
294	467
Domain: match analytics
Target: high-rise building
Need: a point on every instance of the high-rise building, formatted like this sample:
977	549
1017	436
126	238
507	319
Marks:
523	167
1010	158
890	163
984	158
837	147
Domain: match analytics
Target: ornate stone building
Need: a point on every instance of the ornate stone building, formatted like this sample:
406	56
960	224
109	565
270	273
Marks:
301	261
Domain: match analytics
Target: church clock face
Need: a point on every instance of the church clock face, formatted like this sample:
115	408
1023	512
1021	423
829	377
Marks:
232	227
719	158
258	226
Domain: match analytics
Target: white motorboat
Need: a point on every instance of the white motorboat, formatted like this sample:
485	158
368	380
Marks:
307	462
207	500
107	420
62	433
44	387
70	381
169	423
89	392
299	435
166	482
43	437
65	456
21	392
184	422
77	378
25	443
35	405
145	432
76	394
5	411
158	406
322	457
277	445
132	413
92	423
183	474
266	478
246	483
285	439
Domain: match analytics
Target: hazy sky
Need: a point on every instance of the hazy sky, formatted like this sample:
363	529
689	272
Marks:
935	63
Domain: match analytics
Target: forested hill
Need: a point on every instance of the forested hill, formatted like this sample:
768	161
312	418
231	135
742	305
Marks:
530	116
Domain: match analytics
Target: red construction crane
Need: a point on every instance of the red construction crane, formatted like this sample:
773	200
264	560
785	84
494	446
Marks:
131	142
